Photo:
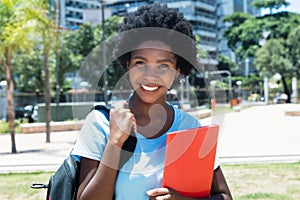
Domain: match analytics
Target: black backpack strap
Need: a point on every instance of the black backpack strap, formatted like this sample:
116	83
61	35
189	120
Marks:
102	108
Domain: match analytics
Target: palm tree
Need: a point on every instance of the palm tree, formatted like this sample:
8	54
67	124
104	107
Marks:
46	30
14	28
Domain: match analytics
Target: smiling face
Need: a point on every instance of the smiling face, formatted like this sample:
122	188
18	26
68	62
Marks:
152	69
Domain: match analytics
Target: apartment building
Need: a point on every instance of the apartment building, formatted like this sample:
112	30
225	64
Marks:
206	17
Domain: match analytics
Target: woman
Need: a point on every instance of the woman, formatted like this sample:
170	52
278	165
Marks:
154	59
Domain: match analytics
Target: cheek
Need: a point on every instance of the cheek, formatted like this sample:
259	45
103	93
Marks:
169	80
134	76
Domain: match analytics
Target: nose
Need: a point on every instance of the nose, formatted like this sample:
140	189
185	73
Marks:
151	70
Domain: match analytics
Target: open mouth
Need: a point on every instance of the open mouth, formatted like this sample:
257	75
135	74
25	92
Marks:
149	88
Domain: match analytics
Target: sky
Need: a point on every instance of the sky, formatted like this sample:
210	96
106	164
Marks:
293	7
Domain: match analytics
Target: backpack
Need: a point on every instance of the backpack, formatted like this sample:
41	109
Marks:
63	185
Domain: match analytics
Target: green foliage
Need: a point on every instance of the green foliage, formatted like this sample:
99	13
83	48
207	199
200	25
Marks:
279	24
225	63
233	33
251	82
93	67
246	32
272	58
14	26
265	38
270	3
4	126
85	39
29	73
294	50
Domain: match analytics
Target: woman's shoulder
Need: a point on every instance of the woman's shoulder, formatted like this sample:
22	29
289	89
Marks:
185	119
97	116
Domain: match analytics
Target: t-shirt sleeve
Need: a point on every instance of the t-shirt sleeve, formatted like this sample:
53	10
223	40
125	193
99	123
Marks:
92	137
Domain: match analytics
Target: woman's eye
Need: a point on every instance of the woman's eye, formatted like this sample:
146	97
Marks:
163	66
139	63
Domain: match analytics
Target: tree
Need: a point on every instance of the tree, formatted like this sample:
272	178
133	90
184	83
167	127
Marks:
235	30
15	28
45	28
90	37
244	34
246	38
225	63
29	71
273	58
271	4
294	50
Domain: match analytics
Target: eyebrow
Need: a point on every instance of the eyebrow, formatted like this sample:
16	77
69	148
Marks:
159	61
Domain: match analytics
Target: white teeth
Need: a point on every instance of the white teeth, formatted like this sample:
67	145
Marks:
148	88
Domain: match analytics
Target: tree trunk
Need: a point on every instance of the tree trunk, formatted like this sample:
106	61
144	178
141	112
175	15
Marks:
10	98
286	89
47	89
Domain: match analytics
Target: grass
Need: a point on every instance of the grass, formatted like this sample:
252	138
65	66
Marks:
249	181
264	181
16	186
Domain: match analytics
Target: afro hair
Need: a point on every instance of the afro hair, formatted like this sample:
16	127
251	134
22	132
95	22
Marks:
156	17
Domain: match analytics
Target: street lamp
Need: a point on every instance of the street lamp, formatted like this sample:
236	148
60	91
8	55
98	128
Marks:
262	42
105	83
239	83
229	79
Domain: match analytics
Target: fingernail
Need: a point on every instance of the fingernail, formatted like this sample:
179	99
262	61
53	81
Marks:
149	192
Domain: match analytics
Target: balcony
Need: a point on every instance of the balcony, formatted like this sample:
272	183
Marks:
205	6
206	33
72	19
200	19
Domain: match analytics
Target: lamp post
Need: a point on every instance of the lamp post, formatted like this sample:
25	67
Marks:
239	95
262	42
105	82
229	79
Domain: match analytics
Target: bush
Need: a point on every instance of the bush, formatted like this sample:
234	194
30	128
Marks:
4	126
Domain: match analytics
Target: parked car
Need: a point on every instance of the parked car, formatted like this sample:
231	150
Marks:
28	112
31	113
280	98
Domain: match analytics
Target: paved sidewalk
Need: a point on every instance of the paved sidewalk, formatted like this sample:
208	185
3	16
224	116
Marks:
255	134
259	134
34	154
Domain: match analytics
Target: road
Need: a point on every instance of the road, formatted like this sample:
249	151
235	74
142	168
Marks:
256	134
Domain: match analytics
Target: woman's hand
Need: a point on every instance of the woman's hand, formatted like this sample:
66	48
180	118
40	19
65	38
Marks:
163	194
122	122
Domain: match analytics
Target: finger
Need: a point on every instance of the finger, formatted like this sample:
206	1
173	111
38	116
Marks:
158	191
163	197
126	105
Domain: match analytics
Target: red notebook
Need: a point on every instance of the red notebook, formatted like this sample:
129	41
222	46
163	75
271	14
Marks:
189	160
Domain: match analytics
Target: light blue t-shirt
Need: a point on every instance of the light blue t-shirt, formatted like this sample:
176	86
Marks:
144	170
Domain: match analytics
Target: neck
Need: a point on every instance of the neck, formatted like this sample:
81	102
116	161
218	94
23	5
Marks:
152	120
142	109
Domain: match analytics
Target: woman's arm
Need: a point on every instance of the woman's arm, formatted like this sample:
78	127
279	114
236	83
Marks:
97	179
219	186
219	190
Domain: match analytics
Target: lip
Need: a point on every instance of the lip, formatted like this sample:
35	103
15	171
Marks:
150	87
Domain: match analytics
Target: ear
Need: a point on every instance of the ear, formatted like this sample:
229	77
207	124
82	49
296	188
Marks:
177	73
